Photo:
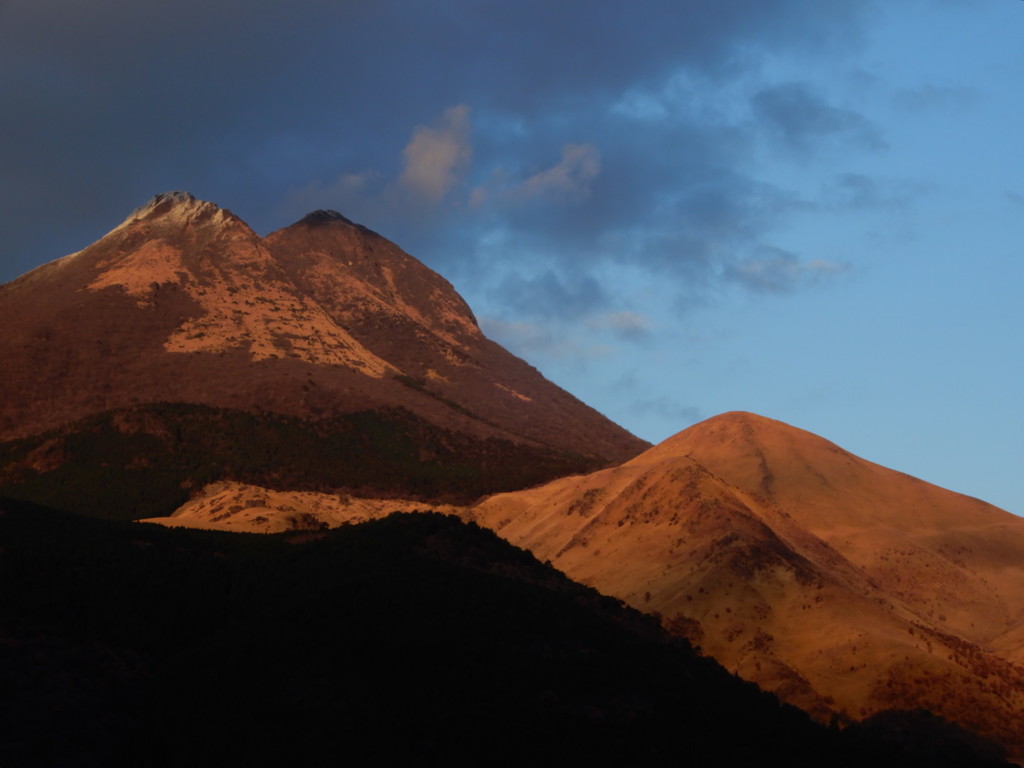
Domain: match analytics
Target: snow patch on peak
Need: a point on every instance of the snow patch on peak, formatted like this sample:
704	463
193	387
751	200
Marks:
178	208
165	201
174	197
177	196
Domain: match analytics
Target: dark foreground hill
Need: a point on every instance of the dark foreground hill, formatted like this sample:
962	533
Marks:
417	639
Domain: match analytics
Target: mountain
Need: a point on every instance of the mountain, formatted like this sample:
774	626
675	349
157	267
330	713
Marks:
844	587
320	376
182	348
417	639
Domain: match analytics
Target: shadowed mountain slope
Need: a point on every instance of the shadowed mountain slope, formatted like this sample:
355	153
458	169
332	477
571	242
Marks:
843	586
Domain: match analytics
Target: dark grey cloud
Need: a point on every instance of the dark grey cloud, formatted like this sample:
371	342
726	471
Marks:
551	295
670	198
275	108
932	96
858	191
799	118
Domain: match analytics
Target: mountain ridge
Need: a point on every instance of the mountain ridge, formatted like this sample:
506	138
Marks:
321	320
330	293
183	362
845	587
911	602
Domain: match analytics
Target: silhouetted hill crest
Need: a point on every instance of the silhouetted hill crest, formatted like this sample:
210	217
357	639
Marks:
323	216
413	640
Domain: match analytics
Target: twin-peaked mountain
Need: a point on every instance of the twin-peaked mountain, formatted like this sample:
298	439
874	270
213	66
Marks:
184	339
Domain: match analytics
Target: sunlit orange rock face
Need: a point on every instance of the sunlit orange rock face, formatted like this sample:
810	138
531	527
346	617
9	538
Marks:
184	303
843	586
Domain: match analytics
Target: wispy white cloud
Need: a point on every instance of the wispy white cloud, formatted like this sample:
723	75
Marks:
569	180
436	156
627	325
551	294
775	270
433	163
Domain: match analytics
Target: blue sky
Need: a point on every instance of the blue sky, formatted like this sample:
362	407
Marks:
812	211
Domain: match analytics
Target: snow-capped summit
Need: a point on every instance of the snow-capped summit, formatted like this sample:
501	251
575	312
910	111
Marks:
179	208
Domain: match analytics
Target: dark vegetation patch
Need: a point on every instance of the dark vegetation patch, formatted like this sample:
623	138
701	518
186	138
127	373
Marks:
145	461
420	385
414	640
